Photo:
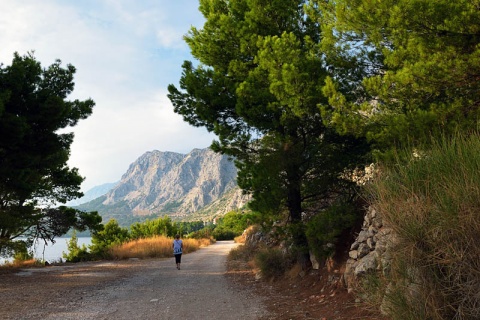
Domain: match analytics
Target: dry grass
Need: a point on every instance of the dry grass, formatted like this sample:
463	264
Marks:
433	204
157	247
31	263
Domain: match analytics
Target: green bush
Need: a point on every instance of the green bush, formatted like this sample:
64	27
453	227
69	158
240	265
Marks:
21	252
323	229
224	234
150	228
233	224
205	233
112	234
76	253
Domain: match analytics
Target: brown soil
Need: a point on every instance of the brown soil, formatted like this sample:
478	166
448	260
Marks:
317	294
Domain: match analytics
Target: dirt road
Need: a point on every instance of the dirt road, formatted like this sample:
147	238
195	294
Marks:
134	289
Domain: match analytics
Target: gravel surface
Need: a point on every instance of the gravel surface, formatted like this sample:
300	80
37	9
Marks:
134	289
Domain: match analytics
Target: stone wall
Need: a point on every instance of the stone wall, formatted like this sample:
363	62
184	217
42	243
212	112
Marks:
370	251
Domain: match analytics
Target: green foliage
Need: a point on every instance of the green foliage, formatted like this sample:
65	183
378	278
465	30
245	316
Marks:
185	227
204	233
224	234
324	228
419	59
148	229
257	87
33	150
232	224
9	248
76	253
58	221
21	251
112	234
432	203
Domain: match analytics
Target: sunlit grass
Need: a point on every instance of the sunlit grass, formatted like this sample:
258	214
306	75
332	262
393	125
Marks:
157	247
22	264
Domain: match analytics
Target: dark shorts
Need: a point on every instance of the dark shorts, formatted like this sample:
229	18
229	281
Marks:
178	258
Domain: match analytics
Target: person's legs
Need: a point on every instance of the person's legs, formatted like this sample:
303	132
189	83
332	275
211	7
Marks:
178	258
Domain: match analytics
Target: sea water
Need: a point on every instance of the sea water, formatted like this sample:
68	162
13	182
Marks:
53	252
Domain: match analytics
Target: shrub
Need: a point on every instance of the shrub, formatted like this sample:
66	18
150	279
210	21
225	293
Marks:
205	233
21	252
324	228
433	202
112	234
272	262
222	234
76	253
150	228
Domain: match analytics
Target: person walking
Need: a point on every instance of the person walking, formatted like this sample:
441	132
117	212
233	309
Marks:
177	250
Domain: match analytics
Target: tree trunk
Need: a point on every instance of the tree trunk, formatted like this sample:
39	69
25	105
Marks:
294	204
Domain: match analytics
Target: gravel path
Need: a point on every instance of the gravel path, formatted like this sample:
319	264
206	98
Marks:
146	289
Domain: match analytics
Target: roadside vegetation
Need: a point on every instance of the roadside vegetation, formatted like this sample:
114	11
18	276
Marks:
156	247
304	95
153	238
432	202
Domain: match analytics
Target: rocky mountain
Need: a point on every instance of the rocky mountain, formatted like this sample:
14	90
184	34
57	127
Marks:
175	184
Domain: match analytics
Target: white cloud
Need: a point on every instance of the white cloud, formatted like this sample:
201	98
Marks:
149	125
126	53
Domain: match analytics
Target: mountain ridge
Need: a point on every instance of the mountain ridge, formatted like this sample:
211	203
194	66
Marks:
173	184
92	194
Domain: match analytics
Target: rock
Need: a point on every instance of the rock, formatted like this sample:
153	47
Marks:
370	252
367	264
362	236
371	243
314	261
354	246
363	250
353	254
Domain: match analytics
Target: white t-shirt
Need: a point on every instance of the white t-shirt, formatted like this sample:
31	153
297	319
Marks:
177	246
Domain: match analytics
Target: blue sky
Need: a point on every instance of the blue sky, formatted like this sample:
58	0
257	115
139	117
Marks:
126	54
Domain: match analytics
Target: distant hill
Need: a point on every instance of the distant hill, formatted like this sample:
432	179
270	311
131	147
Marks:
92	194
200	185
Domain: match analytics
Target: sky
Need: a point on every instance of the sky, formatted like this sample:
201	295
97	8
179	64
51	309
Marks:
126	53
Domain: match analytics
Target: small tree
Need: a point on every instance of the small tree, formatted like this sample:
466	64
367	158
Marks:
112	234
76	253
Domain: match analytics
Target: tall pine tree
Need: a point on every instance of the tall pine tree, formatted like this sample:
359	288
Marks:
257	87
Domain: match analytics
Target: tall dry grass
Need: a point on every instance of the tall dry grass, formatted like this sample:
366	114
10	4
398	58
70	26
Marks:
156	247
433	204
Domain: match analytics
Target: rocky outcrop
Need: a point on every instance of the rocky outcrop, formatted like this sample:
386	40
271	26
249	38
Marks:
371	250
175	183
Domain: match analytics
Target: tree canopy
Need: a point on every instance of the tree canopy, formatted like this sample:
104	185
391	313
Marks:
423	62
257	87
34	175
